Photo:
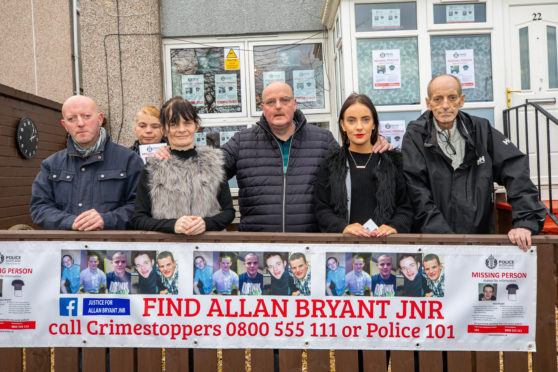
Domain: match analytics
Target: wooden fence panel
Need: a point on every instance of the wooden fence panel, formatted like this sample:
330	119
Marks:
460	361
66	359
262	360
318	361
205	360
37	359
290	360
545	358
487	361
11	359
346	360
234	360
93	359
431	361
123	359
177	360
374	360
148	360
516	361
402	361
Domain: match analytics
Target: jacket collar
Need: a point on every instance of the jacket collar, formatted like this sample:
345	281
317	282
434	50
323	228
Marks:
464	126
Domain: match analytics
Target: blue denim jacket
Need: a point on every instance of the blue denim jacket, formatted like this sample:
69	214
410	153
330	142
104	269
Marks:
69	185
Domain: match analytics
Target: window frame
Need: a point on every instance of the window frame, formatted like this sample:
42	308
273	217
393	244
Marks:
248	116
168	45
488	25
290	41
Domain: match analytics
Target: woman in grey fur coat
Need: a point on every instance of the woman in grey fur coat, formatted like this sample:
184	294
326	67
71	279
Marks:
359	192
188	193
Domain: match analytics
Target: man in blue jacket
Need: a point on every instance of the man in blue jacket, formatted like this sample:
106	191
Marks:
90	185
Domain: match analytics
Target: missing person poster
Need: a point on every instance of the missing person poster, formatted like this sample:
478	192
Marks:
312	296
386	18
226	92
461	13
271	76
461	64
386	66
192	89
393	131
304	85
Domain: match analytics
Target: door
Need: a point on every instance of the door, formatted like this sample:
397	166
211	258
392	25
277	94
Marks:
531	33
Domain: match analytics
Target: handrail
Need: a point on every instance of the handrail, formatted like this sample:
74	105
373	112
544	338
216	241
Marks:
508	133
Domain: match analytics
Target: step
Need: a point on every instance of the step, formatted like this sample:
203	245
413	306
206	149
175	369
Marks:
549	227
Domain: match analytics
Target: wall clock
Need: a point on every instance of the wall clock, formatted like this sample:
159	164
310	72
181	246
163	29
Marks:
27	138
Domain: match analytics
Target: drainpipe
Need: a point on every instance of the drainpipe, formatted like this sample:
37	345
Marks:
75	31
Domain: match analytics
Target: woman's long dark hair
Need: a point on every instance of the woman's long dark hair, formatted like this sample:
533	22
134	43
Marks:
366	101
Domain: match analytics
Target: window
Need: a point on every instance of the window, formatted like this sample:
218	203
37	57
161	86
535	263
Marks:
223	77
469	58
385	17
299	65
552	57
388	70
203	77
459	13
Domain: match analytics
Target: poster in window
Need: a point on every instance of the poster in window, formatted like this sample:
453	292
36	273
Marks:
461	64
386	65
393	131
225	136
304	85
192	89
386	18
271	76
460	13
286	58
226	92
208	62
200	139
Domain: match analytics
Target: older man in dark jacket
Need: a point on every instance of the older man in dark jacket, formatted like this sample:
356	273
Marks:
91	185
450	161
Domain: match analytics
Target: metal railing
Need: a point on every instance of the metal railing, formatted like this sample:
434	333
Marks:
520	136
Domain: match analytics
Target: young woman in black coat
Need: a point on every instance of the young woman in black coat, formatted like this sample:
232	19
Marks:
355	186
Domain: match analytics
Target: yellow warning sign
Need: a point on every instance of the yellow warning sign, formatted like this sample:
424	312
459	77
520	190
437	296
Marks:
232	58
231	54
232	64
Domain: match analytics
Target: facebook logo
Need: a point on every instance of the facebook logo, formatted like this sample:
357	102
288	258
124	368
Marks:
68	306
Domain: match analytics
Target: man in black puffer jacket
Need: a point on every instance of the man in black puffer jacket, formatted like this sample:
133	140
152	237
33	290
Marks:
275	163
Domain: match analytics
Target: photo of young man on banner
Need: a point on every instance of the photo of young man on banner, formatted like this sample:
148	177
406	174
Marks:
281	281
225	278
148	278
203	273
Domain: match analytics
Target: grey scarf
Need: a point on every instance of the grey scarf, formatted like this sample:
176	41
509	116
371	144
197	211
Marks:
85	153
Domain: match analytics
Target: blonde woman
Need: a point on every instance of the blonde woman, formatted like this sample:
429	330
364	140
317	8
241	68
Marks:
148	127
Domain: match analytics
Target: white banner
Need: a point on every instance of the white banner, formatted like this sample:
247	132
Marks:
303	296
